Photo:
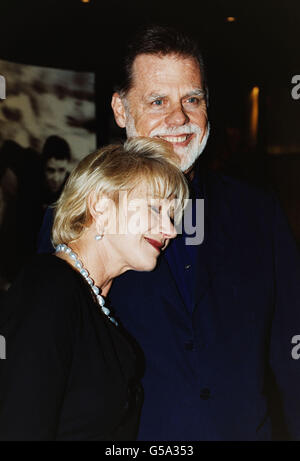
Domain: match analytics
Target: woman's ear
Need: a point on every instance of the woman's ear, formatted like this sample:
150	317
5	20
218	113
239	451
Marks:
98	208
119	110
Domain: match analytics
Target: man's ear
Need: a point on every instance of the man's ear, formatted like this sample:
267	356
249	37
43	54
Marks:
119	110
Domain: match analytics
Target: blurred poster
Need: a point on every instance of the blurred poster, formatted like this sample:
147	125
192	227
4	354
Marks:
47	124
42	101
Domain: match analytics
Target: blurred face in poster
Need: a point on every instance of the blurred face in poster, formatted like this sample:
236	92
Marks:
56	171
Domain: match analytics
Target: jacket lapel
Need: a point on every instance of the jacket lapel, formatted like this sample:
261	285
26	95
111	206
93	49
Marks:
213	256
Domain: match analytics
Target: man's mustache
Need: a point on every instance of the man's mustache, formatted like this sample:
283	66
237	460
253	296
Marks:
186	129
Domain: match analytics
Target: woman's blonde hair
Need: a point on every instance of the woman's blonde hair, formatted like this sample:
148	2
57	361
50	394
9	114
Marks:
112	169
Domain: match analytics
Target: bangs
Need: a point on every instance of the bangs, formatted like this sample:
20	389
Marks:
165	181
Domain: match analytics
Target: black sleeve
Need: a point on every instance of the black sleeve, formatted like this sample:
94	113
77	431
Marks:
39	332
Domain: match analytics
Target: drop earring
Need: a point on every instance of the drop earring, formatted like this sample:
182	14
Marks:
98	237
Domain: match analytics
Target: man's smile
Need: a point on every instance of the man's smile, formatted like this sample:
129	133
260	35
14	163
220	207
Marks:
180	140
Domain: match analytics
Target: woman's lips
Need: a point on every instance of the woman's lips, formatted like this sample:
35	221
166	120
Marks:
155	243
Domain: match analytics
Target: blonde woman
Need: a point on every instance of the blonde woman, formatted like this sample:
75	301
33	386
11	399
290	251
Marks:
70	373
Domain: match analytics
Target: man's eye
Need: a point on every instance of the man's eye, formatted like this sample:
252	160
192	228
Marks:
157	102
193	100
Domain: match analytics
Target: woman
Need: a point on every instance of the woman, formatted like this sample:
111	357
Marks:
70	374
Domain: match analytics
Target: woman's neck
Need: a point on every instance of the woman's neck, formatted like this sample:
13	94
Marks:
100	268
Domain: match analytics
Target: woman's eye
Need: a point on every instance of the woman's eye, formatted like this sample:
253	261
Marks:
155	208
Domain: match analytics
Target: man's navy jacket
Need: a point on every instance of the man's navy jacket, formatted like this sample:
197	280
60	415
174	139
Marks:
227	368
223	370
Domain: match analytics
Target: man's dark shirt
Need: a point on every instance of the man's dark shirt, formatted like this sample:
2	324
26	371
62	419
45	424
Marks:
181	257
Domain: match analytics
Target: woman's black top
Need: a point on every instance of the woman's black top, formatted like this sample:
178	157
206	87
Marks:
69	373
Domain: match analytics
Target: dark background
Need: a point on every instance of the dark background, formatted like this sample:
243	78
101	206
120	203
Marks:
261	48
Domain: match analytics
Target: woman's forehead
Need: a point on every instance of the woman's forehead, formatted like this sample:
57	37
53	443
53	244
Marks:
151	190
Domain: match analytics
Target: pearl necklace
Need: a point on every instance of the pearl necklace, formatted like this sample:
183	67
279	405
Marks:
78	264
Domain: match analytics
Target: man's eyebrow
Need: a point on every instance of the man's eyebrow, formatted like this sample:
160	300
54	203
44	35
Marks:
154	96
196	92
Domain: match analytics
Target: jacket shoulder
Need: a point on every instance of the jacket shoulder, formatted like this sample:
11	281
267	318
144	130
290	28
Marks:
239	195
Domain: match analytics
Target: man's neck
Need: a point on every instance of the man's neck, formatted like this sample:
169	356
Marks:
190	174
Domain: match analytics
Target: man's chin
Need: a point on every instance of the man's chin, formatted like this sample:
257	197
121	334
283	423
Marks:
187	160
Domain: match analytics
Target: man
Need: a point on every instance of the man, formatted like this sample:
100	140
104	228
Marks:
56	158
216	321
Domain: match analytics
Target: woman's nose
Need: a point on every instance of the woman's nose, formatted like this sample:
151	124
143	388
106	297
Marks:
168	229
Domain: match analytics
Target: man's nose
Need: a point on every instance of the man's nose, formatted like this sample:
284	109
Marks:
177	116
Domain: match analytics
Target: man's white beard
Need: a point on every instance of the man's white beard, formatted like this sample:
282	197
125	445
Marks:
189	154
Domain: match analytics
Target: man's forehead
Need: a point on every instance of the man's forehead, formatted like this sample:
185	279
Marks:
155	69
